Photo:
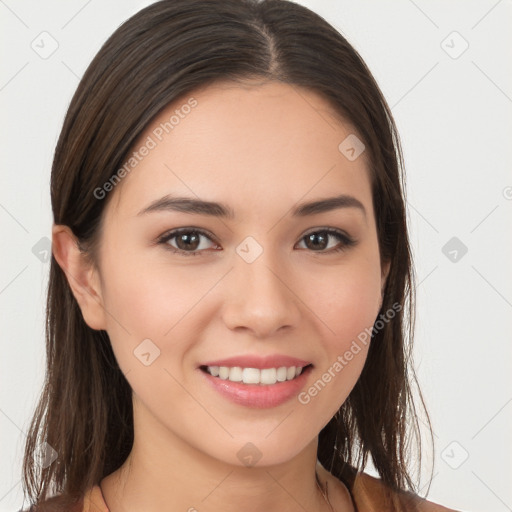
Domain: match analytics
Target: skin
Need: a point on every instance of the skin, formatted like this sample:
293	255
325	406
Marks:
261	149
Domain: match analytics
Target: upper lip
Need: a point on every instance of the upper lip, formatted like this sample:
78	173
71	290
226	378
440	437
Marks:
254	361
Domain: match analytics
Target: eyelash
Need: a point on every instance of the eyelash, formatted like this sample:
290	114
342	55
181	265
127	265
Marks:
346	241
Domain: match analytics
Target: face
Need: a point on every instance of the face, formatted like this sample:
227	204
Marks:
267	281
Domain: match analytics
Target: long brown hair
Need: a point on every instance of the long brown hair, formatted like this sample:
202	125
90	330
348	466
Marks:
165	52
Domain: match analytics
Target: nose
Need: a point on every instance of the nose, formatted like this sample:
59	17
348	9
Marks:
260	298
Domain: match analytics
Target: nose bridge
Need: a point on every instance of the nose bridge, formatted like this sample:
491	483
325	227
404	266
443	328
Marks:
260	299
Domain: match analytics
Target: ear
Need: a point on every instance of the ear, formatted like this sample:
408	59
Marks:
82	277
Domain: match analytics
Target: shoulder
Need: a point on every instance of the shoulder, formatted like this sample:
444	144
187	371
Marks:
54	505
370	493
91	501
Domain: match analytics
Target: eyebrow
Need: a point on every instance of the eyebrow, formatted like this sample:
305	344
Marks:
214	209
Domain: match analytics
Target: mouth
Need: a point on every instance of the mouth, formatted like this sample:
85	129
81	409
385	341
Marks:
256	376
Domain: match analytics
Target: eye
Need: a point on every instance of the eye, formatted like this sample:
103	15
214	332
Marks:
319	239
188	241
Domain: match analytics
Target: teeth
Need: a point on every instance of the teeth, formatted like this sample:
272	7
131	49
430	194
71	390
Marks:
266	376
235	374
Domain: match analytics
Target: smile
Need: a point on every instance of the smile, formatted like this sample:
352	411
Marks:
265	377
262	389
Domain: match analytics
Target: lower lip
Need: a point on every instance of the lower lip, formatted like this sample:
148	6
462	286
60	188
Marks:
256	395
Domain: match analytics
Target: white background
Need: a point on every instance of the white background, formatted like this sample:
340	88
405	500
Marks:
454	118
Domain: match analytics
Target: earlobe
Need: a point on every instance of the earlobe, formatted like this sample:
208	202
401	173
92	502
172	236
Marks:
82	277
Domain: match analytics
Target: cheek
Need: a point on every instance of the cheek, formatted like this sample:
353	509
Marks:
151	325
346	300
346	304
168	305
150	299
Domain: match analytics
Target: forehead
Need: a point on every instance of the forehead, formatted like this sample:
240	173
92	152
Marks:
259	145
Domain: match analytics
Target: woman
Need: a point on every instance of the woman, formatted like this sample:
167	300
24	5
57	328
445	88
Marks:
229	276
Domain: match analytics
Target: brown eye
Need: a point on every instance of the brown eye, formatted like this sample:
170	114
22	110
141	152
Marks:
318	241
186	241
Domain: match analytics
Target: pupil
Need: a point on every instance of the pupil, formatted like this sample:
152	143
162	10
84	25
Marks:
189	241
315	237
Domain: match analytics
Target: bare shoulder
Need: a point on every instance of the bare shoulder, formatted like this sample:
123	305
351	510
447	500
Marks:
371	492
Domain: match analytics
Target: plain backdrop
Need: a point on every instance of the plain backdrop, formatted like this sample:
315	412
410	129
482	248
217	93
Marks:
445	69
